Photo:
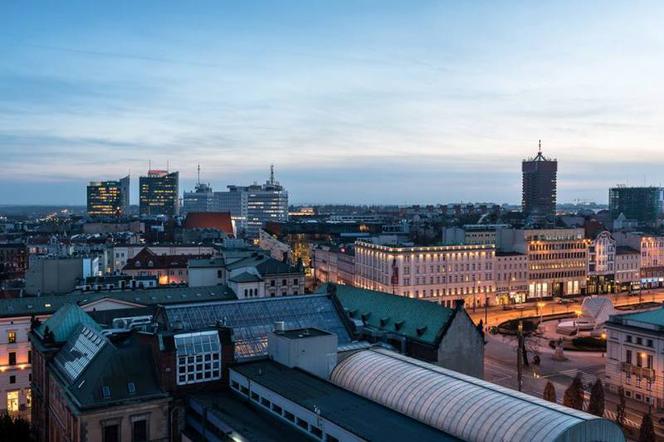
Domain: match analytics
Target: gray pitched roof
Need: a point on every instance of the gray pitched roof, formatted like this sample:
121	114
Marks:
45	305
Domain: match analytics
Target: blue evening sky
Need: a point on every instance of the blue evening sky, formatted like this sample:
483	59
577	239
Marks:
353	101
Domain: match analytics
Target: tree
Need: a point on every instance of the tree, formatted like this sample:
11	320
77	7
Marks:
647	430
14	429
596	404
550	392
620	408
573	397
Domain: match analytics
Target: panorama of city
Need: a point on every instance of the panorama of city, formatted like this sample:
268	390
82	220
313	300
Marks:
334	221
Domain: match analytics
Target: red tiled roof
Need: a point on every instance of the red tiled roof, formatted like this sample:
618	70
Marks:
210	220
146	260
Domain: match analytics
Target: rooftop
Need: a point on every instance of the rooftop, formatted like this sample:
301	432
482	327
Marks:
420	320
361	416
466	407
302	333
46	305
652	319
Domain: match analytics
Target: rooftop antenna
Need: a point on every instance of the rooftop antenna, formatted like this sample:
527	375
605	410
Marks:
540	146
199	174
271	173
167	165
149	164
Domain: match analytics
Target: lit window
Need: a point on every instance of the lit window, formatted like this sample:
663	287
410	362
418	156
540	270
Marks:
11	337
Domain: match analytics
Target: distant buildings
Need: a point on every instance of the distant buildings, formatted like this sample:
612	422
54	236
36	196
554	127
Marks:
539	187
159	193
642	204
108	198
202	199
253	206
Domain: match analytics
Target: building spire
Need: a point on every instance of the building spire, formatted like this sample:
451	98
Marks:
540	146
271	173
199	174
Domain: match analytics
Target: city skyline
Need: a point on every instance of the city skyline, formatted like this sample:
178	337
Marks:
354	103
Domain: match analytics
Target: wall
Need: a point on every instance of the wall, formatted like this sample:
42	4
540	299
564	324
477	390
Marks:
462	347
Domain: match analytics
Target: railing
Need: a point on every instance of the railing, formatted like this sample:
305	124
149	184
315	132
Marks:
642	372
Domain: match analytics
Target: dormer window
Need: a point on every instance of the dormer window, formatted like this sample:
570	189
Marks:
137	263
150	263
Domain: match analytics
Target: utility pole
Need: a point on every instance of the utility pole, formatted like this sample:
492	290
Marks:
486	309
519	356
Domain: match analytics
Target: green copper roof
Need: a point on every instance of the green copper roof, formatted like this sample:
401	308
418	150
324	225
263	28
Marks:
65	321
420	320
652	317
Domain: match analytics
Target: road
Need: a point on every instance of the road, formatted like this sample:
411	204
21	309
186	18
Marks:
497	314
500	368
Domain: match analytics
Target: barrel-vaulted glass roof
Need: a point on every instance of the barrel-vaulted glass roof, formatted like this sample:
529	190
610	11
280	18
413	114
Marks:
466	407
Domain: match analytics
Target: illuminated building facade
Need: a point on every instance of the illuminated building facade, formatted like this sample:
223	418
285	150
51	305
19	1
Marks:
108	198
435	273
557	259
602	264
651	250
511	277
159	193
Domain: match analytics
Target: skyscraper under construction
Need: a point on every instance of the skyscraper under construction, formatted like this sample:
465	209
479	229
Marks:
539	187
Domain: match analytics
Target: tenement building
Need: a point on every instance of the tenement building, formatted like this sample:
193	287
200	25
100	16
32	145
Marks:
557	259
635	355
651	252
435	273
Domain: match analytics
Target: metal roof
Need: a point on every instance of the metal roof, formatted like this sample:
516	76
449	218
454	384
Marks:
465	407
419	320
367	419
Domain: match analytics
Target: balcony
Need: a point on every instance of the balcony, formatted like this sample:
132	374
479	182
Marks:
643	372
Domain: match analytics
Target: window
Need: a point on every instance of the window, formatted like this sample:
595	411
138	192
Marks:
628	356
29	356
12	358
295	281
276	408
198	357
139	431
284	282
289	416
12	379
12	401
254	396
639	341
273	283
265	402
316	432
302	423
219	274
235	385
329	438
11	337
111	433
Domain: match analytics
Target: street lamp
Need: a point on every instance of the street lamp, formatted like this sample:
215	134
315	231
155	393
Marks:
540	306
603	336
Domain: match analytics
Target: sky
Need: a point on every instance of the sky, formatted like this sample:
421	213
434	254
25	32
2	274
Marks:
362	101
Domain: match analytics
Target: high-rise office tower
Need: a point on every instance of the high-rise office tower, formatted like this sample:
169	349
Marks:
159	193
642	204
252	206
108	198
539	187
202	199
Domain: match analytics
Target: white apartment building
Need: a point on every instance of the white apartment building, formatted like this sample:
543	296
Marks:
435	273
635	355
